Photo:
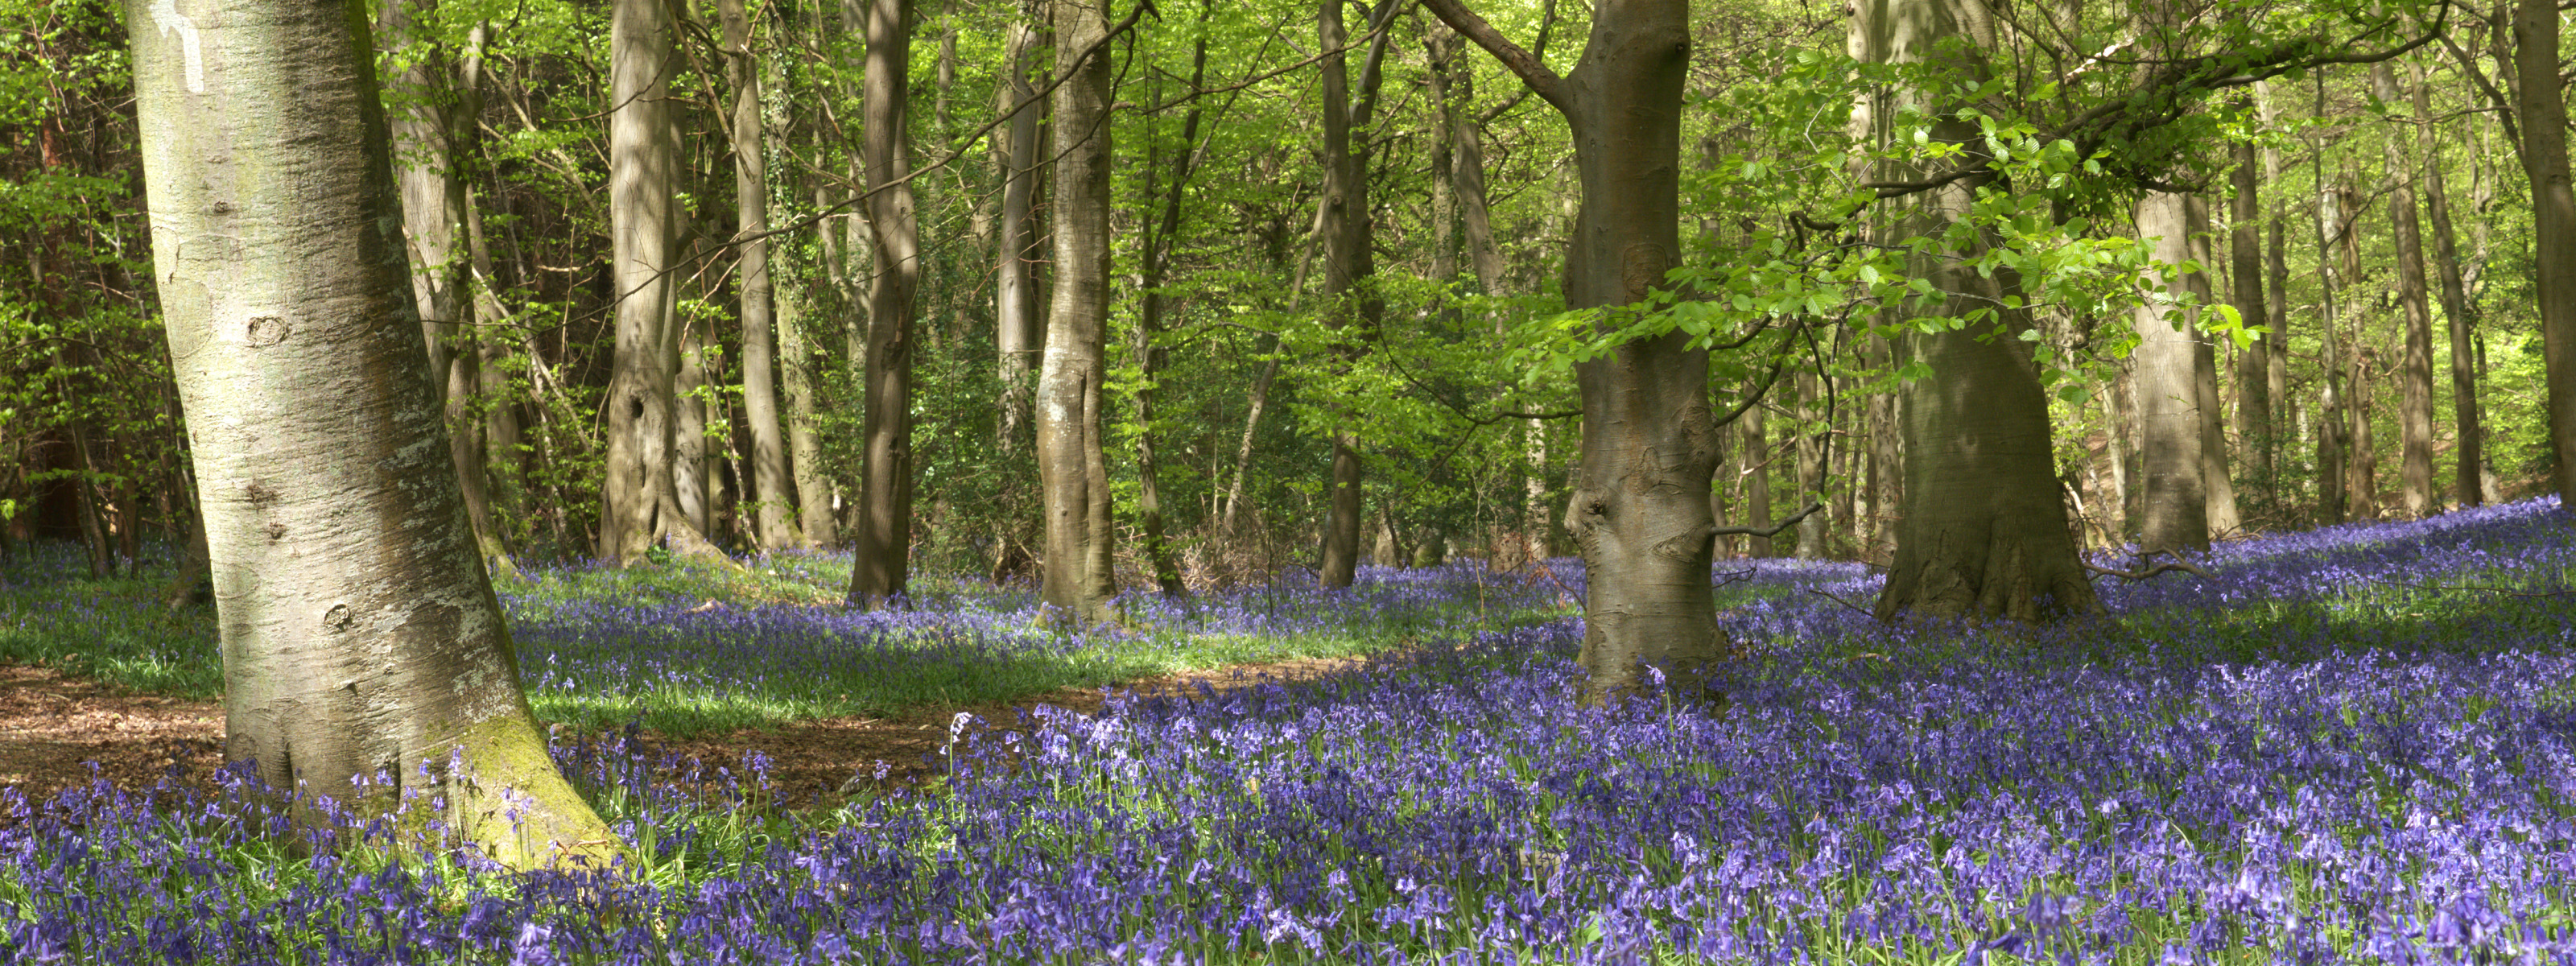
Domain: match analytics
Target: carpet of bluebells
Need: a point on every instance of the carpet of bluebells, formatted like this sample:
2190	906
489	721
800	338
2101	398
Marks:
2352	745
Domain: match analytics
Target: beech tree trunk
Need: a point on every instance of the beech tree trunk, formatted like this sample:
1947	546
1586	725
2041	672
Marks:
1349	263
2415	370
2176	503
432	127
769	529
2276	273
643	169
1811	467
2218	485
2541	108
2254	367
1640	504
1072	471
881	565
1020	331
2331	504
1757	477
2470	454
357	633
1984	529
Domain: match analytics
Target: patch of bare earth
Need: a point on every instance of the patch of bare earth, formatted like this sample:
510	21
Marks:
53	727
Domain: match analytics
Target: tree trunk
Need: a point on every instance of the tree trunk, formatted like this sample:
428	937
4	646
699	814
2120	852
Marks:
2542	110
1984	528
1640	504
1757	477
1349	264
2415	371
2276	273
1886	462
2364	461
689	451
1020	331
358	635
431	127
2218	486
2254	367
2470	454
881	564
643	162
769	529
2330	443
1072	471
1812	433
2167	398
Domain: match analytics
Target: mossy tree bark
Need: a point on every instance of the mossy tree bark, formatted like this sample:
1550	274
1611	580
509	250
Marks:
358	634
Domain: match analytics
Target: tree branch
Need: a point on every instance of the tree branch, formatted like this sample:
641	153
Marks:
1773	531
2177	563
1533	72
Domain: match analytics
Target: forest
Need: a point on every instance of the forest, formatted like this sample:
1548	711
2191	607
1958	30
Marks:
1077	481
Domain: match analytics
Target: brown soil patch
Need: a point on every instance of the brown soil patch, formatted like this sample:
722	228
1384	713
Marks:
54	726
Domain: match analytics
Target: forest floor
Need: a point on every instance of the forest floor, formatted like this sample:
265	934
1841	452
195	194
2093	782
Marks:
59	730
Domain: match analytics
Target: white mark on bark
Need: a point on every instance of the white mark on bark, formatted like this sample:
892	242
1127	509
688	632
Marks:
166	15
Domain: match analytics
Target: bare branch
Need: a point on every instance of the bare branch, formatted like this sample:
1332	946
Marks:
1533	72
1773	531
2177	563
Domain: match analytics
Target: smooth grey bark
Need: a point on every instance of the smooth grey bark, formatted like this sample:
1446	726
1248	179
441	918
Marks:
1983	530
1756	471
643	170
769	484
358	634
1020	329
2415	368
1886	462
2469	456
1640	503
2167	399
2541	108
2245	276
881	566
1073	472
1811	467
2217	484
689	450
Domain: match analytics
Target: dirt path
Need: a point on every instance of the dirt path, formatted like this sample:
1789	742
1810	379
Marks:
54	726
